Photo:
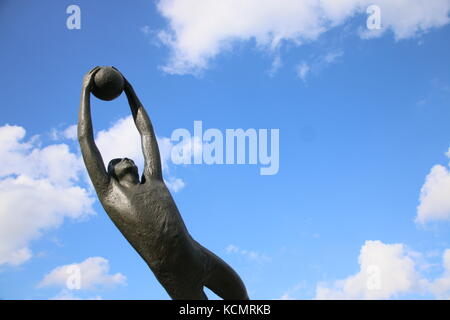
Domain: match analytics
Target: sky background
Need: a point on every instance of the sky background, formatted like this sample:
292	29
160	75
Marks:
364	128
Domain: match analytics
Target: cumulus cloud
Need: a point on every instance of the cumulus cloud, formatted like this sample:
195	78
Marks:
408	18
90	274
38	191
440	287
434	200
40	187
386	270
199	30
120	140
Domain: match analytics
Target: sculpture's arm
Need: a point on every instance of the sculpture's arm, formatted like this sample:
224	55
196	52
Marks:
150	148
91	155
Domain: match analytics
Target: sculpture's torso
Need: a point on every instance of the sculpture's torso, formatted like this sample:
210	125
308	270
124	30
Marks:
147	216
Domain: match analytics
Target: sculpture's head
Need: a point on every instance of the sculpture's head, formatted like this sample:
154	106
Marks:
120	167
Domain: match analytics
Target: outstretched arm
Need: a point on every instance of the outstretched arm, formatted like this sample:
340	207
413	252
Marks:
150	148
91	156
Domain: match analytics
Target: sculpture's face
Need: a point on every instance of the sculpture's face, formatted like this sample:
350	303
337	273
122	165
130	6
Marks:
125	166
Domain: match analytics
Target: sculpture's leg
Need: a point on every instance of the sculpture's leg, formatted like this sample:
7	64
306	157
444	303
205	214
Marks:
185	286
187	293
223	280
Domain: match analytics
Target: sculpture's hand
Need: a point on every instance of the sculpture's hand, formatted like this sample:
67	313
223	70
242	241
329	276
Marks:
126	85
88	80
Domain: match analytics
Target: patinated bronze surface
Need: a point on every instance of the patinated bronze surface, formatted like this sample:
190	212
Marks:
146	214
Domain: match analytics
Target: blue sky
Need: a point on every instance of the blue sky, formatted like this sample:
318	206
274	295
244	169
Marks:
363	129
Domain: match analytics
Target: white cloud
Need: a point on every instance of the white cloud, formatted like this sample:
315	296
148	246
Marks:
93	274
199	30
175	184
251	255
386	270
40	187
38	190
317	64
122	140
408	18
68	133
434	200
441	286
303	71
277	63
333	56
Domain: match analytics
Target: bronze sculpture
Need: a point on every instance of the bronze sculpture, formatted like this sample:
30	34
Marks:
146	214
